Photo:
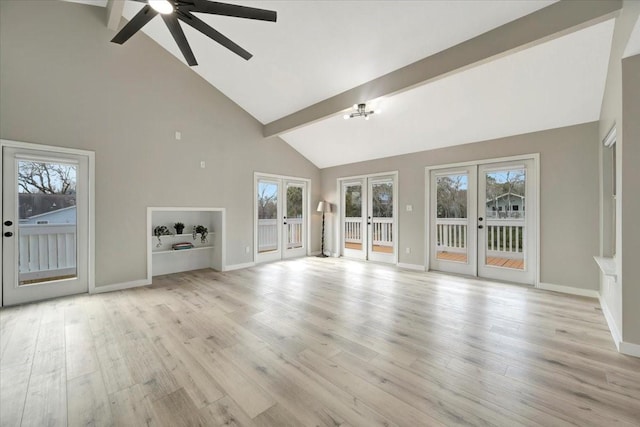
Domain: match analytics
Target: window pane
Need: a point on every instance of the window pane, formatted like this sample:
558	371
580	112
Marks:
294	217
353	217
451	218
47	221
267	216
505	211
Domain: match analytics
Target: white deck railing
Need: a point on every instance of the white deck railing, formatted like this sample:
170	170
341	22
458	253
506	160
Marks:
46	250
451	234
382	231
268	234
505	238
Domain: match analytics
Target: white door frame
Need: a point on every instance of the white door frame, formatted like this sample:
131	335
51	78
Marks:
90	156
338	233
536	170
281	179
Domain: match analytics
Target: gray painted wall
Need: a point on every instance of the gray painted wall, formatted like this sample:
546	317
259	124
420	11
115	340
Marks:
568	187
630	200
64	84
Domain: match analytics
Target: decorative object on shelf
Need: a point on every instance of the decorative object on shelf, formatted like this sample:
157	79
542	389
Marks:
182	246
323	207
161	230
361	111
202	230
179	227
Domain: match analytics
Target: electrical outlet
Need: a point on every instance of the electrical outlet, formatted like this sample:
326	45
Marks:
409	208
178	136
203	164
408	250
247	249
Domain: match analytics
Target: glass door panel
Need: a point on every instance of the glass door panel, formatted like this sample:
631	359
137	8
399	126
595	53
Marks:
452	224
504	246
380	220
353	221
294	220
452	221
267	209
47	221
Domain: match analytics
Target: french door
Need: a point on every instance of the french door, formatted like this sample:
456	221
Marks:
482	220
281	208
368	219
45	220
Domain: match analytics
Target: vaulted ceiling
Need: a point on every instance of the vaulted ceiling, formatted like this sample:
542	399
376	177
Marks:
319	49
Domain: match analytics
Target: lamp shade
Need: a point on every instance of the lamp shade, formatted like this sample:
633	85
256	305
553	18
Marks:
324	206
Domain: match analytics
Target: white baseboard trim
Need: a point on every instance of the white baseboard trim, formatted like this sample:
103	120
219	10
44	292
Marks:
121	286
613	328
238	266
591	293
629	349
314	253
416	267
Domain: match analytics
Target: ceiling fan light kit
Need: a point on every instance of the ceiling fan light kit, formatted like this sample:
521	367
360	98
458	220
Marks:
173	11
361	111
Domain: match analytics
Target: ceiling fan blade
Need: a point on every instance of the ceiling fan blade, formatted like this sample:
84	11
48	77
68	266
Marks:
140	20
179	37
225	9
205	29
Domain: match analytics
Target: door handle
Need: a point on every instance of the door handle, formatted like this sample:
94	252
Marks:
480	219
8	234
481	226
8	223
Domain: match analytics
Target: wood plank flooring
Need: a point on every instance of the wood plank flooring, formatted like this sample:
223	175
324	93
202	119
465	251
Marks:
315	342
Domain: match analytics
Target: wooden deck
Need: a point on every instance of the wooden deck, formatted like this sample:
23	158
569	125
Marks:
315	342
517	264
376	248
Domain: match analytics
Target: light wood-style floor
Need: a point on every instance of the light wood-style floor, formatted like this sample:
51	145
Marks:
326	342
491	260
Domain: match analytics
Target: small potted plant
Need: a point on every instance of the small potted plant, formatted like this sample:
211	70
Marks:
179	227
161	230
202	230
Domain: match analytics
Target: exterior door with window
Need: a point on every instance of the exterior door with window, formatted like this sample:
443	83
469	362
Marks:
506	221
482	221
368	219
452	231
281	218
45	216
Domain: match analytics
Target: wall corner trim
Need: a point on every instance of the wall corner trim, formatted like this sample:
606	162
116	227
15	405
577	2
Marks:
416	267
238	266
591	293
629	349
615	333
120	286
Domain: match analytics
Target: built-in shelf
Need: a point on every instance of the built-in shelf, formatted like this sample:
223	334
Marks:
173	251
608	266
162	258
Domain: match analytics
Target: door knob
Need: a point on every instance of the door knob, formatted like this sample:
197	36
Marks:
8	234
481	226
8	223
480	219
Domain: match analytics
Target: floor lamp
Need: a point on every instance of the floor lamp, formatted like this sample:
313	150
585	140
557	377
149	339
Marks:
323	207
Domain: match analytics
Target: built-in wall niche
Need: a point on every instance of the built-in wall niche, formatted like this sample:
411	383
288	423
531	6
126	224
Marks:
163	255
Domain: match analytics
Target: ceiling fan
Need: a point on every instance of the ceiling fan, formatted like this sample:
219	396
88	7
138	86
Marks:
173	10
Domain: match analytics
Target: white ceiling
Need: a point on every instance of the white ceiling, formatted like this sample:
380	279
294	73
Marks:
633	45
318	49
555	84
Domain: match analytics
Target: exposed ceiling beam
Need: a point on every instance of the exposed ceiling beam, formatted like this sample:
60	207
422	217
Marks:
114	13
543	25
